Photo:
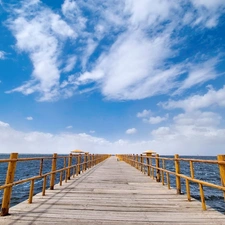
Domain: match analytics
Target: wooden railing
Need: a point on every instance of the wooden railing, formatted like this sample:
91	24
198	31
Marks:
158	171
82	162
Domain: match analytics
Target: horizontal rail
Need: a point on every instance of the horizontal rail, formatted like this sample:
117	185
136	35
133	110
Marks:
82	163
156	165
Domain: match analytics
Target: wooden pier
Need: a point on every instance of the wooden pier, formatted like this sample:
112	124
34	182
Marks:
112	192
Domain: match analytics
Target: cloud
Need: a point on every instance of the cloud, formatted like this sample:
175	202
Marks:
198	74
29	118
39	34
92	131
165	140
69	127
3	124
127	51
198	118
131	131
144	113
195	102
156	119
2	55
70	63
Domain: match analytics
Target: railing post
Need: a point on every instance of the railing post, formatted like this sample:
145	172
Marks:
141	162
192	169
157	171
177	170
78	163
163	166
137	161
69	164
148	163
222	170
9	179
52	181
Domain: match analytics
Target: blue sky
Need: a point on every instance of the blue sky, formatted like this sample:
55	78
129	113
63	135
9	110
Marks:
117	76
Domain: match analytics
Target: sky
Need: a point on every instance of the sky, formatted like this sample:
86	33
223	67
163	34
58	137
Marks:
115	76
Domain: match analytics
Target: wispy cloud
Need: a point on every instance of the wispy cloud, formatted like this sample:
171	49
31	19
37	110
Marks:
131	131
39	35
2	55
29	118
156	119
144	113
69	127
126	51
195	102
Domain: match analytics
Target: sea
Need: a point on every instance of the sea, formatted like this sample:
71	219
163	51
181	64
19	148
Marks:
206	172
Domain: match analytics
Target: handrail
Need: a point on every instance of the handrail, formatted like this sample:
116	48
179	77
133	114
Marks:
144	163
82	163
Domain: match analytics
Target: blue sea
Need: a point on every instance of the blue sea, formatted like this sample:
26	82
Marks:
207	172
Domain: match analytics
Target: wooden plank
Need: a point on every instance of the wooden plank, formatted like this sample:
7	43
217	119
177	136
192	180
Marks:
111	193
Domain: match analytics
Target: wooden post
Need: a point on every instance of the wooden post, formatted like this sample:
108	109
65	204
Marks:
69	164
137	165
151	169
192	170
31	191
177	170
148	161
168	180
9	179
64	166
52	181
141	163
163	166
222	171
202	196
188	190
41	166
84	163
60	178
78	163
157	171
44	185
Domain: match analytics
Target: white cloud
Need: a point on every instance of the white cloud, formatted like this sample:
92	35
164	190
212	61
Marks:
207	12
38	35
199	119
166	140
195	102
142	37
156	119
69	127
3	124
199	73
131	131
92	131
70	63
2	55
144	113
131	68
29	118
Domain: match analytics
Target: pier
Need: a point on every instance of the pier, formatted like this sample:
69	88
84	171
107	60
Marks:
114	190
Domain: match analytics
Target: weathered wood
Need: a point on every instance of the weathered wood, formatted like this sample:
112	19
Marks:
222	170
177	169
9	179
112	193
52	181
69	164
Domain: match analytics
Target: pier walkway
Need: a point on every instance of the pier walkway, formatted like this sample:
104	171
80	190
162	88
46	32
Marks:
111	192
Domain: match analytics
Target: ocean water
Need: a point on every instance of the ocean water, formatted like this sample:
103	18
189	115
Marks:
207	172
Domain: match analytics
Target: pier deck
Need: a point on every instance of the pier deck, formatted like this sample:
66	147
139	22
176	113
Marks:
111	193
